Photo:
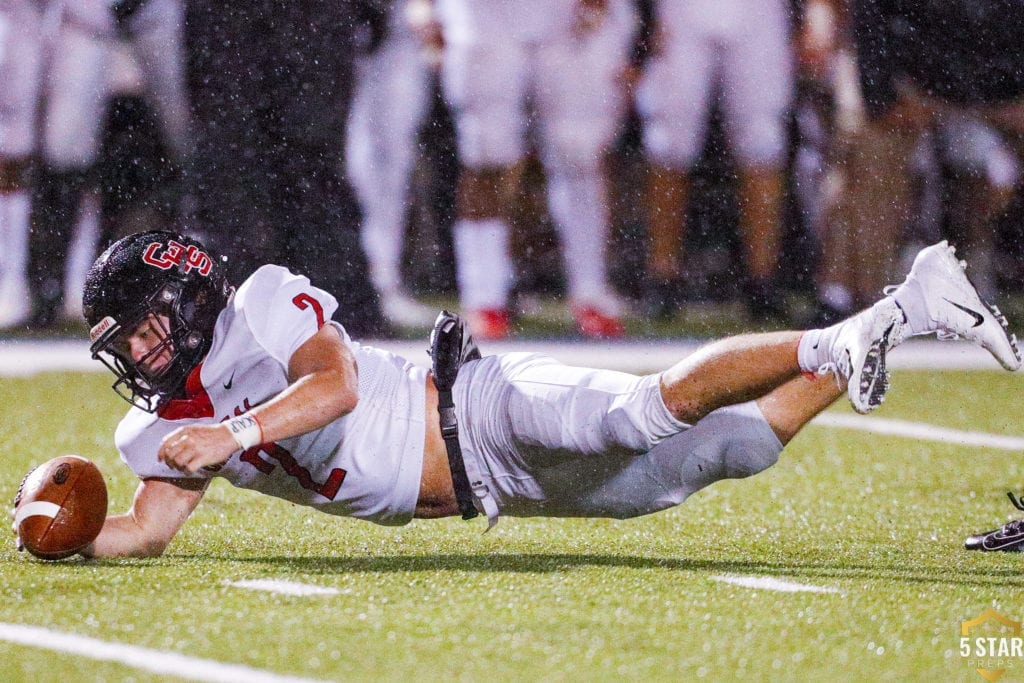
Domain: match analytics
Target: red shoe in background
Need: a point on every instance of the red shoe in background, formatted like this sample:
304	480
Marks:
489	324
594	324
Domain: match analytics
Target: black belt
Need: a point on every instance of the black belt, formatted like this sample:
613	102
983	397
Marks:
450	347
450	434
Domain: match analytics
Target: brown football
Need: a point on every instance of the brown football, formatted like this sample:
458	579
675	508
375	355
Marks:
61	507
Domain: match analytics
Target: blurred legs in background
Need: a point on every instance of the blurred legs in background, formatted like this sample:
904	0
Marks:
509	73
391	101
741	54
20	63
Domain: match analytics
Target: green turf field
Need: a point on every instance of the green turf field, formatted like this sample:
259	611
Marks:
877	520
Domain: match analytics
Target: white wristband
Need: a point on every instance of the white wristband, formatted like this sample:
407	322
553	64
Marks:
247	430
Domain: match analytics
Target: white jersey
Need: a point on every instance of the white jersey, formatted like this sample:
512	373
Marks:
366	464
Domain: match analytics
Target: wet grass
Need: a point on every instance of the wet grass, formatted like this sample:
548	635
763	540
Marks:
879	519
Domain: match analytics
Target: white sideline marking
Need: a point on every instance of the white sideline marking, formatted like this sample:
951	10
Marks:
283	587
769	583
22	357
920	430
27	358
157	661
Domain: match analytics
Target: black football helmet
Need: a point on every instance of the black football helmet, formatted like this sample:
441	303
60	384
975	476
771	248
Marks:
171	276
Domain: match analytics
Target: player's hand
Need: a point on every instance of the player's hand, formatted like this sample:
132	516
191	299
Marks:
189	449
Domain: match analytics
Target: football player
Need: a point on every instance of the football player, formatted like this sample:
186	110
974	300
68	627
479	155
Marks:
75	85
555	69
21	39
390	102
742	51
260	386
1007	538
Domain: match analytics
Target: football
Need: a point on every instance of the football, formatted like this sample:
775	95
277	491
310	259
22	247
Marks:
60	507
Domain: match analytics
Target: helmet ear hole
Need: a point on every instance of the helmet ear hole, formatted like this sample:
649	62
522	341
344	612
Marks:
168	293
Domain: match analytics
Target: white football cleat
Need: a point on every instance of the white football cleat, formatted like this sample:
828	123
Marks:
939	287
859	352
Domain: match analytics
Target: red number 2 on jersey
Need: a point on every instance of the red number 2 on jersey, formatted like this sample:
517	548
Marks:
328	489
304	301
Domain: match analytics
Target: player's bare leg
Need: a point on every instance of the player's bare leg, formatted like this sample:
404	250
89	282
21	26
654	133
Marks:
760	198
760	193
728	371
792	405
667	192
484	193
483	259
749	367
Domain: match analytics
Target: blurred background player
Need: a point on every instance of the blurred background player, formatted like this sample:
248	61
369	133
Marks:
21	26
553	69
965	177
738	50
271	86
74	90
391	100
921	66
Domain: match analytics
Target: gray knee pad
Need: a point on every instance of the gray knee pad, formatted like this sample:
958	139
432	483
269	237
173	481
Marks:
730	443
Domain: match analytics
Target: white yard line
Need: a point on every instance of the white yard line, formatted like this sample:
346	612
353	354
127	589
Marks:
283	587
920	430
769	583
156	661
24	358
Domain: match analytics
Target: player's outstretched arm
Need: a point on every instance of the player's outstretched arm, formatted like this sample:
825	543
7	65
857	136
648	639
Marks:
323	386
160	508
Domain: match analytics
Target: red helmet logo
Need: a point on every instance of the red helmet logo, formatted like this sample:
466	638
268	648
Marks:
175	254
